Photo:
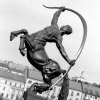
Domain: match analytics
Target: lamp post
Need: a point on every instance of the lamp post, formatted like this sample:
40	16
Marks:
81	77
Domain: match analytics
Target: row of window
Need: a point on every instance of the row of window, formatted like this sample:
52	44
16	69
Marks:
91	92
89	96
7	96
11	96
74	99
14	84
78	94
86	96
74	93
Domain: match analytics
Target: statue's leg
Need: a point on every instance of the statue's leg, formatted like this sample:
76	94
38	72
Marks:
22	45
55	73
50	71
25	42
39	87
46	79
22	41
53	69
16	33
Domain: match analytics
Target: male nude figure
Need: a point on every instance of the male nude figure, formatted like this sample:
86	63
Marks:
36	42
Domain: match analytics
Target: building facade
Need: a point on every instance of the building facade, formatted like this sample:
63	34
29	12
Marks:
10	89
77	90
12	82
15	79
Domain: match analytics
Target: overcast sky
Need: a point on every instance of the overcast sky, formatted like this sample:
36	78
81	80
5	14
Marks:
31	15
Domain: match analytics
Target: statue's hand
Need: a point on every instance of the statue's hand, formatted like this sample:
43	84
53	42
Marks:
72	62
62	8
22	51
12	36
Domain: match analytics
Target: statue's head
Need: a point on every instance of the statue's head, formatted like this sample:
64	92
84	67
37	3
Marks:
67	29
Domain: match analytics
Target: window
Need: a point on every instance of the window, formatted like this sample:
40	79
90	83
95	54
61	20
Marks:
72	93
95	97
76	98
22	85
15	84
10	83
54	89
78	94
2	94
5	81
86	90
4	88
90	96
90	91
97	93
29	82
52	96
70	99
85	95
12	96
7	96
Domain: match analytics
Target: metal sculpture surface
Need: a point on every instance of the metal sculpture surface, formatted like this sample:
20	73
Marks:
36	54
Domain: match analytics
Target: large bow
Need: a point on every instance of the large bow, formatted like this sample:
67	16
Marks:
82	43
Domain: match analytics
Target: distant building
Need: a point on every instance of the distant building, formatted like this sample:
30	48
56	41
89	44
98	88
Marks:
16	78
12	82
77	90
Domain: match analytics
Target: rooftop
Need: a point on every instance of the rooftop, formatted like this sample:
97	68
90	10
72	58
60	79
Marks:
13	71
11	66
9	75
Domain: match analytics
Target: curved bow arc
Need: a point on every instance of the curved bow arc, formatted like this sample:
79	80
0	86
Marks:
84	32
82	43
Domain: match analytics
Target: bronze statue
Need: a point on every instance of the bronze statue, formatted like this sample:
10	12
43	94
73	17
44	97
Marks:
36	54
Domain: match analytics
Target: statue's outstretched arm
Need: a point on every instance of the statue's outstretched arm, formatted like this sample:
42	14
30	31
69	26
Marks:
63	53
22	45
62	50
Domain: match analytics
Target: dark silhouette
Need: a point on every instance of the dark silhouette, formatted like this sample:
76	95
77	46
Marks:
64	89
36	54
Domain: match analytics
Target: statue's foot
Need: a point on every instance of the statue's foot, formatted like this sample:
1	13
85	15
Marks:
12	36
63	71
37	87
22	51
42	87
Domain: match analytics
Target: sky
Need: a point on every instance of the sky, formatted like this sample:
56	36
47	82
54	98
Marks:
31	15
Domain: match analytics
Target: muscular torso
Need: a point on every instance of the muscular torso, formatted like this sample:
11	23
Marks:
48	34
38	56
